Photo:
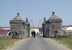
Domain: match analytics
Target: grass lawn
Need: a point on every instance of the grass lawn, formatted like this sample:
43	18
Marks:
5	43
66	41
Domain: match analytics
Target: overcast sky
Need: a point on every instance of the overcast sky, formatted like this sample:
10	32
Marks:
35	10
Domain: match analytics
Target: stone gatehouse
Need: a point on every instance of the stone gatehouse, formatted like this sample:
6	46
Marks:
19	28
52	27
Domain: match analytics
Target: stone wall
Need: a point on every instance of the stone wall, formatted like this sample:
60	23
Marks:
4	37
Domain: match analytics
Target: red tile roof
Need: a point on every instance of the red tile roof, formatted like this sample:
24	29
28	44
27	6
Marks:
4	32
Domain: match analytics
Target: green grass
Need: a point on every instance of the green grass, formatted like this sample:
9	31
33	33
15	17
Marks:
5	43
66	41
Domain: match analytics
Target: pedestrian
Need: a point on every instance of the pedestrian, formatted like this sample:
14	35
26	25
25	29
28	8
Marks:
33	33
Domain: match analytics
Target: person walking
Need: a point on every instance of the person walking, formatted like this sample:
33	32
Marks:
33	33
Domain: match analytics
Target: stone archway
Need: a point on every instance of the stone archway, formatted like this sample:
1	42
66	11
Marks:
15	35
56	33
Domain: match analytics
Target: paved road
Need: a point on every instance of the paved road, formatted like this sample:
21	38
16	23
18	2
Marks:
38	43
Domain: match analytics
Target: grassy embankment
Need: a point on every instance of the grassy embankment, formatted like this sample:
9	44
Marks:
5	43
66	41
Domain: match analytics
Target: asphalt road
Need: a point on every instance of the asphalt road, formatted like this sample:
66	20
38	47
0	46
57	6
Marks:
38	43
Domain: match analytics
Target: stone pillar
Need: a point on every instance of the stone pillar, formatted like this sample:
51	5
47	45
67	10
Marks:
27	27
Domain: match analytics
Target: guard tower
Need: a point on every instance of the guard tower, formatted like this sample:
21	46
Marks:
17	27
53	26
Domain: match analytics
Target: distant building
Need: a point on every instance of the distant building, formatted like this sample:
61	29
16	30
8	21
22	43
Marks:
34	29
19	28
4	30
67	30
52	27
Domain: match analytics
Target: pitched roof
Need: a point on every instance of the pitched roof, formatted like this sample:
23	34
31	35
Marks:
53	16
17	17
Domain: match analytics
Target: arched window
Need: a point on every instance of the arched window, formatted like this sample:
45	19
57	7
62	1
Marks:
56	31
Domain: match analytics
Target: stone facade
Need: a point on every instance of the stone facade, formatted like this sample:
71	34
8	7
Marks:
19	28
52	27
27	27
